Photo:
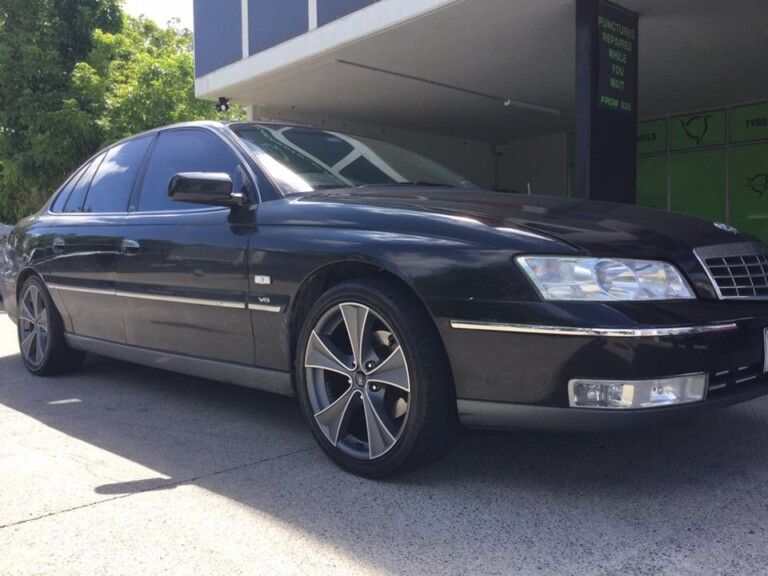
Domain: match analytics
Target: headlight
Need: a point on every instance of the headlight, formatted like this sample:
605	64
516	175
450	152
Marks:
604	279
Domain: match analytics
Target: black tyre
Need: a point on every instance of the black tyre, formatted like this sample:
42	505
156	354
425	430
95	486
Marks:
41	333
374	381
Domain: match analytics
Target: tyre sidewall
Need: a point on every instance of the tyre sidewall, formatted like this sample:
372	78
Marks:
42	367
367	295
58	357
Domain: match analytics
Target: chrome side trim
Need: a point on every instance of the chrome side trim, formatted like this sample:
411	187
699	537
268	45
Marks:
174	299
64	288
264	308
604	332
182	300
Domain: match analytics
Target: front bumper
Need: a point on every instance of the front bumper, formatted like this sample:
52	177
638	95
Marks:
515	375
505	416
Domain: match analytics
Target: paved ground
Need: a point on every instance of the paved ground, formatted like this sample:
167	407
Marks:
123	470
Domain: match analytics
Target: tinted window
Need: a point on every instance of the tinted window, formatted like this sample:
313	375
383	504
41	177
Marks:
112	185
183	151
75	201
61	199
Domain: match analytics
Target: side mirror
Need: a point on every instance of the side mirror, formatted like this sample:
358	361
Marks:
213	188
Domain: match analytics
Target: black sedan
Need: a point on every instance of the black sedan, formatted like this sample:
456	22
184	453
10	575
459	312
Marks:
392	296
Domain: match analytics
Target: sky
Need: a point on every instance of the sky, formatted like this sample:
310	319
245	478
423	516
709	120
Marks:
161	10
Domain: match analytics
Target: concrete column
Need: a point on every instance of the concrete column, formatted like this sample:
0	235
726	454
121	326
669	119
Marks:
606	101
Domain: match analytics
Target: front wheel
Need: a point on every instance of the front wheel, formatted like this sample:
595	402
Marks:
374	381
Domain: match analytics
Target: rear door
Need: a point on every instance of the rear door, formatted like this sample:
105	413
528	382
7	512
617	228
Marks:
84	241
182	274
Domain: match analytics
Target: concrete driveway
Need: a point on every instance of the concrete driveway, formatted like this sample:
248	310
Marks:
124	470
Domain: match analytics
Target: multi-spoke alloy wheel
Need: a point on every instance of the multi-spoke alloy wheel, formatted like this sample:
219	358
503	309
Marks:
33	326
373	379
41	332
357	379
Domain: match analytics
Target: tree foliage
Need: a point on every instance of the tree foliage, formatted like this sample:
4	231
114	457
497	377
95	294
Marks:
76	75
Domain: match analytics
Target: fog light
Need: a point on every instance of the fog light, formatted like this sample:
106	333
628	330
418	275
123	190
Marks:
623	394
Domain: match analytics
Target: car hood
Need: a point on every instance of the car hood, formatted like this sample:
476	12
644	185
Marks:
600	228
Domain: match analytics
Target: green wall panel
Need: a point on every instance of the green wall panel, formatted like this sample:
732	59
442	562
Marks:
652	137
749	123
652	181
697	184
749	189
697	130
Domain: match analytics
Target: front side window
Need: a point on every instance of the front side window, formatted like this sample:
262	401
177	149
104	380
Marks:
179	151
308	159
113	183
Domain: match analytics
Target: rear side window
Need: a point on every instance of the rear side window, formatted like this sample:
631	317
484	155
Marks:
113	183
61	199
76	198
183	151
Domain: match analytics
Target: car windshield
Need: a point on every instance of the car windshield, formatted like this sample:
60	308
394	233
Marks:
307	159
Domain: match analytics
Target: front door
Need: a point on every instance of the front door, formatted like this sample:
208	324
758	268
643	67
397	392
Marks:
182	271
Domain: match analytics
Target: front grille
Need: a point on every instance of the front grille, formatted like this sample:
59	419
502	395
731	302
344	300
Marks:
738	271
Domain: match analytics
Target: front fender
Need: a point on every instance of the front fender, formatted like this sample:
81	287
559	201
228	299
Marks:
436	268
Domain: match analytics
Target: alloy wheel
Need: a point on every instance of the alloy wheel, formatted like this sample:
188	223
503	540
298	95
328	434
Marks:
357	380
33	326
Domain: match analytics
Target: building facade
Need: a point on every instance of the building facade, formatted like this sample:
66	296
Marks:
490	87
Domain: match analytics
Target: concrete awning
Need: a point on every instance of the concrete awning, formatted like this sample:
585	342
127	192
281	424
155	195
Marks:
449	67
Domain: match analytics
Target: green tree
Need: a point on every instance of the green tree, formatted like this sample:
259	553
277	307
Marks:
40	137
76	75
140	78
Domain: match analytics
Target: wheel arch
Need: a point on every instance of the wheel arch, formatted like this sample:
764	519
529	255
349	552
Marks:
333	274
23	275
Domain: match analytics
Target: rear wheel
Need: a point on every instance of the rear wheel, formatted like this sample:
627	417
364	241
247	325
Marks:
41	333
374	381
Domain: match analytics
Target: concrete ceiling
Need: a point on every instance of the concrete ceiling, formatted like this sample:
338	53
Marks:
450	71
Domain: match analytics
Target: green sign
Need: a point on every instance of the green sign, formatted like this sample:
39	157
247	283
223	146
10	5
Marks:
697	183
748	177
617	58
652	137
652	181
698	130
749	123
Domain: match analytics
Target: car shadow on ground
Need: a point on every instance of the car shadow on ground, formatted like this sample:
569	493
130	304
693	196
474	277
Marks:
491	492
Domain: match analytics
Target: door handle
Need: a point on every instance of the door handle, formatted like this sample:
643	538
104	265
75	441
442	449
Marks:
58	245
130	247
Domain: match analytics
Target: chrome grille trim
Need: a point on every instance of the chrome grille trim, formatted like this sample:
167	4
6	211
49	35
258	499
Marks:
737	271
